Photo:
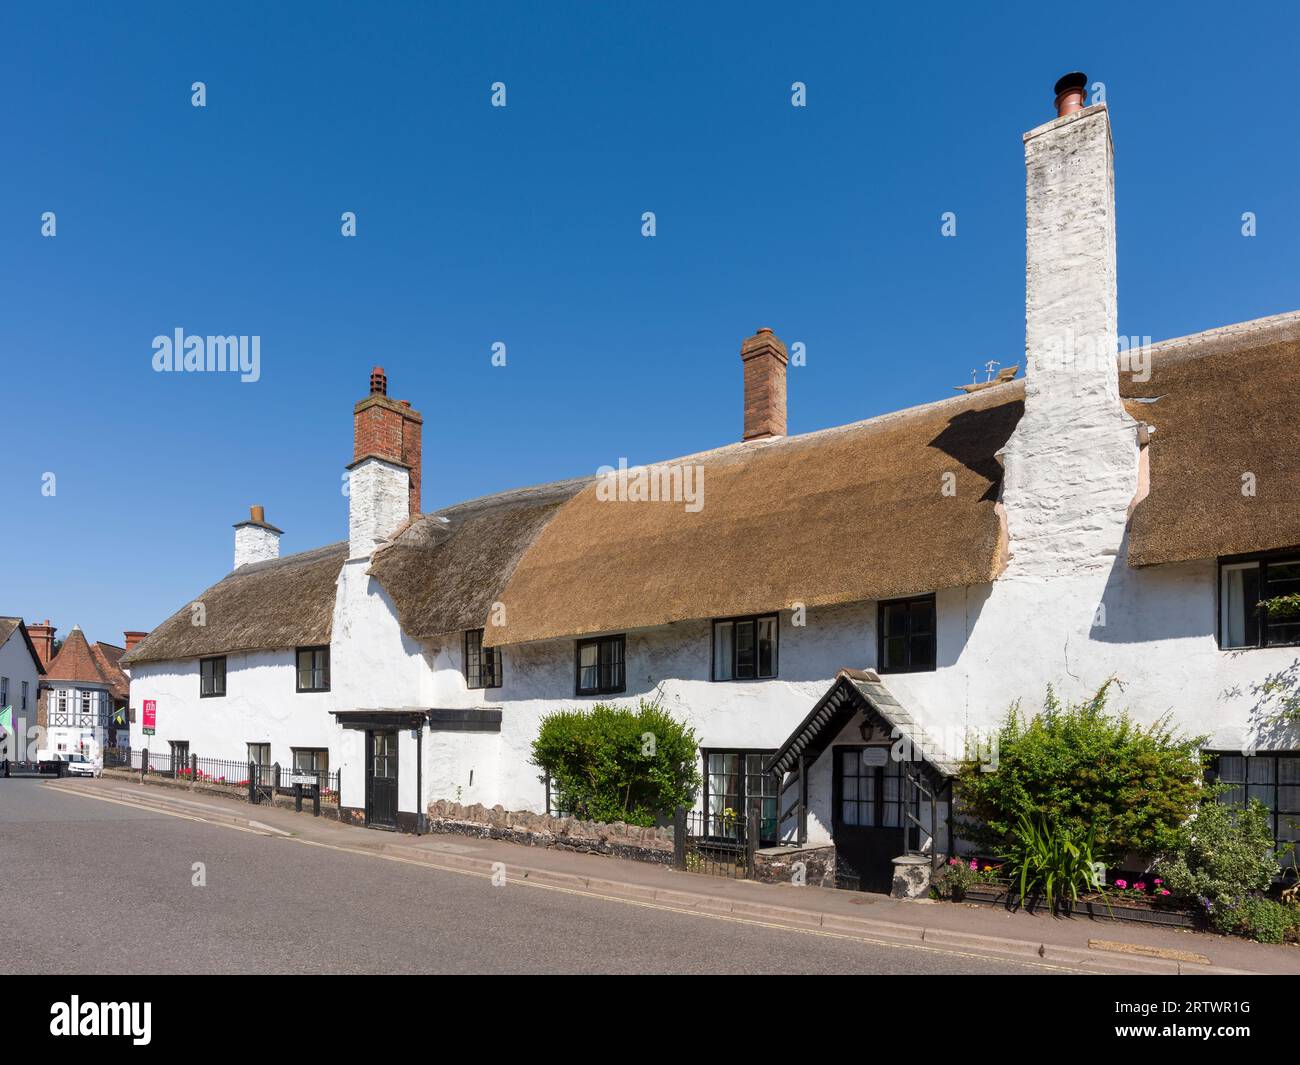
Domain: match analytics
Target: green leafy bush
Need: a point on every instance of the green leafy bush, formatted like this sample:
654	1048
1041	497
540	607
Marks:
613	763
1221	857
958	876
1260	919
1052	862
1080	769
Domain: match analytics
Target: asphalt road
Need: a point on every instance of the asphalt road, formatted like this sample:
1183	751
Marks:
93	887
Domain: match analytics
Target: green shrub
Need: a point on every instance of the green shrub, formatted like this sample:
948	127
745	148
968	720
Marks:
613	763
1079	768
958	876
1260	919
1221	857
1052	862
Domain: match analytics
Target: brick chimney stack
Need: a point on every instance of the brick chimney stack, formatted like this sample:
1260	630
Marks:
390	430
132	638
43	640
764	358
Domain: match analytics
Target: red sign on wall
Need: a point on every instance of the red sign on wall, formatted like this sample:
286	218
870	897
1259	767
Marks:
150	716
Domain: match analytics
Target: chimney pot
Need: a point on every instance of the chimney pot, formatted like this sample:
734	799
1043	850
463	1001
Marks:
257	514
378	382
1070	91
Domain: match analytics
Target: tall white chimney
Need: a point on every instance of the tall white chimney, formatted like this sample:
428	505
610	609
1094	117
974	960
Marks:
1071	464
256	540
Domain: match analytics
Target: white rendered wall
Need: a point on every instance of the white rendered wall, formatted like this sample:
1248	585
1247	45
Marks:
17	664
261	705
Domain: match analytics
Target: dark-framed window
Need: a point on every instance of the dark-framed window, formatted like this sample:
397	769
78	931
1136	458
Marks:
310	759
1244	582
745	648
906	629
259	753
1271	777
600	665
212	677
482	664
24	695
866	794
731	778
313	669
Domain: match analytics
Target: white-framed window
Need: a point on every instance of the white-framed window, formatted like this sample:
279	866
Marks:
1244	585
62	700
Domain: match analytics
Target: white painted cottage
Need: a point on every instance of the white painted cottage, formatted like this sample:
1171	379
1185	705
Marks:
910	574
21	669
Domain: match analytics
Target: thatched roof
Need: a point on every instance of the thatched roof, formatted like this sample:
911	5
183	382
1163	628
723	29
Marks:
445	570
263	606
1224	404
842	515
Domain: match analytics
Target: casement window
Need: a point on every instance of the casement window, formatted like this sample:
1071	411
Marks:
600	666
180	753
745	648
212	677
313	669
1273	779
1244	583
24	695
907	635
311	760
731	779
259	753
62	701
482	664
85	705
867	789
4	692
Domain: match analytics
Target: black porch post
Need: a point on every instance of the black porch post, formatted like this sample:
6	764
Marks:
420	823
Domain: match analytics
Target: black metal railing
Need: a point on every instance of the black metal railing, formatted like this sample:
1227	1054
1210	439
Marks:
254	781
717	843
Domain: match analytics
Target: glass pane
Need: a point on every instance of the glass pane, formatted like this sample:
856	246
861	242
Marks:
850	787
895	653
922	652
922	617
849	813
1260	770
1240	619
744	650
767	647
849	763
588	662
1288	799
1263	792
1288	770
722	650
1232	768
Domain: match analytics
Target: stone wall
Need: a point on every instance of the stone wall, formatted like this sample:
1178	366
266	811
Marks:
777	865
540	830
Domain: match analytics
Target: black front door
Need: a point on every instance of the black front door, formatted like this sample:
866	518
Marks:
381	778
868	819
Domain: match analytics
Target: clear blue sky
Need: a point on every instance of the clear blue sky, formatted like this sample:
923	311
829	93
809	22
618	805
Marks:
522	225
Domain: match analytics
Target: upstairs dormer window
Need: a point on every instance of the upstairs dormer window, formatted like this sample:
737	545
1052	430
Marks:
745	648
1259	602
482	664
212	677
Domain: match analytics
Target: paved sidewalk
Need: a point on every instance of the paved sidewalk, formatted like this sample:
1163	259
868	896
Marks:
1076	942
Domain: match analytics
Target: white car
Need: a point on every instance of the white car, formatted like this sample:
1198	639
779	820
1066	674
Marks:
81	766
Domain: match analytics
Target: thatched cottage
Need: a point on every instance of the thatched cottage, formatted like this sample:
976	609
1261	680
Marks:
909	575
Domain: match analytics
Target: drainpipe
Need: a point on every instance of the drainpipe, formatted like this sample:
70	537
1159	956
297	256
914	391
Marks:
420	821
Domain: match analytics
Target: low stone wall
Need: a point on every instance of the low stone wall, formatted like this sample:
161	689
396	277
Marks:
226	791
565	833
779	865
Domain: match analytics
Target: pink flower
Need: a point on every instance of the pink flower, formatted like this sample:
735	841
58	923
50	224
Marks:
1140	886
1121	883
954	861
1163	891
974	864
1159	881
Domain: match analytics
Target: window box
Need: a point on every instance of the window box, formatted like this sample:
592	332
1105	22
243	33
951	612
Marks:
212	677
313	669
601	666
745	648
906	635
1244	583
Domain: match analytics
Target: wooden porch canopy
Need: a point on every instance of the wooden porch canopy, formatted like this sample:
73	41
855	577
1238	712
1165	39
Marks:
854	691
474	719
